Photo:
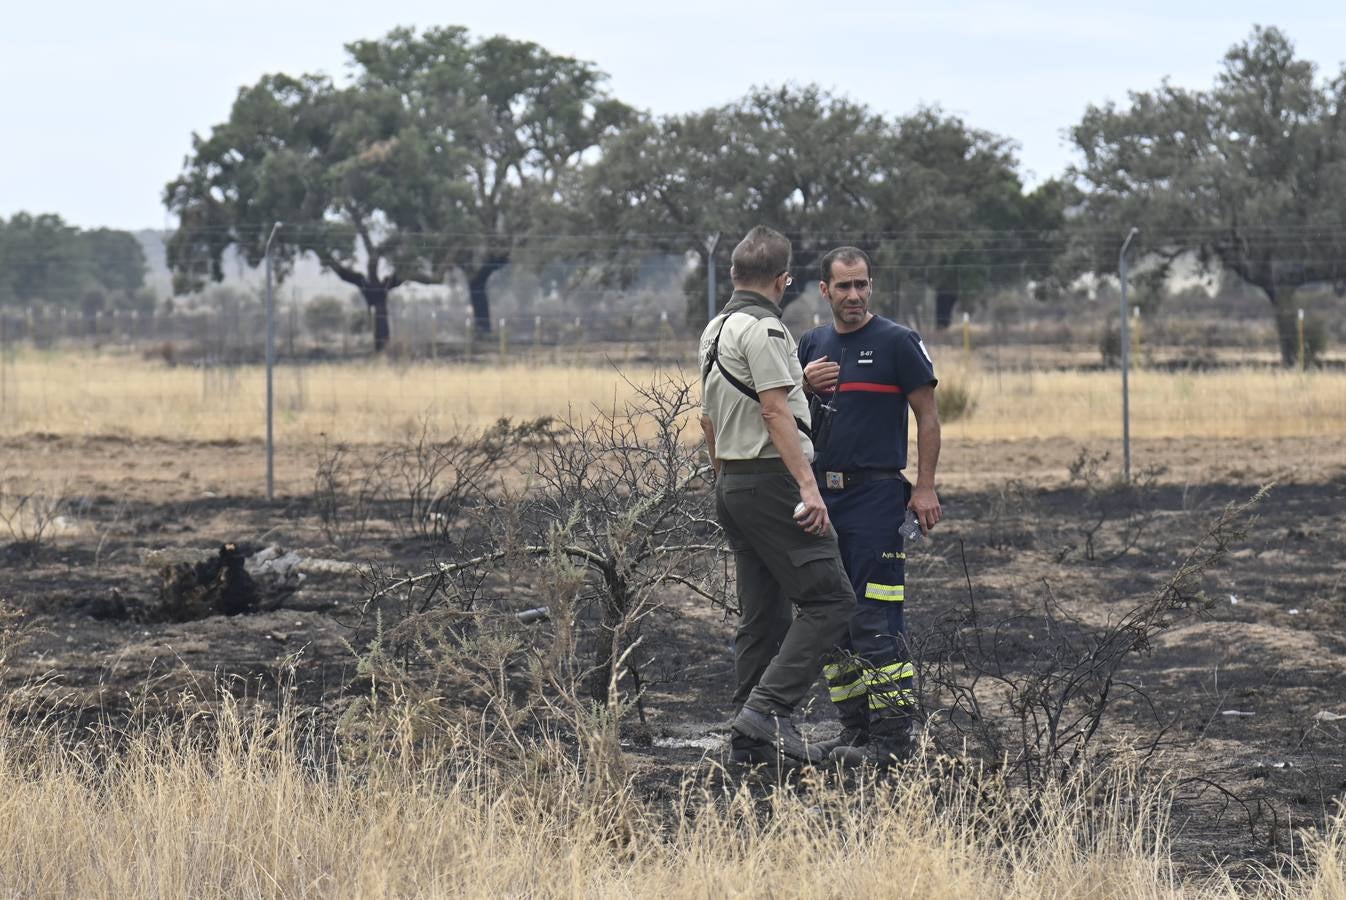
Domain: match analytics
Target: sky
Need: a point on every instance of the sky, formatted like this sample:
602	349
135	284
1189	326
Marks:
99	101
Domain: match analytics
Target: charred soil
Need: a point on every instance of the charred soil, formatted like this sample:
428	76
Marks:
1241	700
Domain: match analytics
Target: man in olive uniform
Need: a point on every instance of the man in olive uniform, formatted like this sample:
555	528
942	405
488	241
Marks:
795	600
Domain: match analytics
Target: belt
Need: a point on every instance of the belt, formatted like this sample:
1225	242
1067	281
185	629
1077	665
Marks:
749	466
836	481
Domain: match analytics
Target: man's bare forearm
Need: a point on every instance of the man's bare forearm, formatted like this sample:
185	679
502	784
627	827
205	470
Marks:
925	408
784	434
927	445
708	432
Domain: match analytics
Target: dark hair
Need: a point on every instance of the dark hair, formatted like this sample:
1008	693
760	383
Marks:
845	255
762	255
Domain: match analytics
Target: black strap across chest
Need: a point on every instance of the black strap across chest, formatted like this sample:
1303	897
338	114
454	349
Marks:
713	356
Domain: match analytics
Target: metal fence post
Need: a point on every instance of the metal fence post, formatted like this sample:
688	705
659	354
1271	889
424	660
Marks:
1302	355
270	365
1125	341
1135	333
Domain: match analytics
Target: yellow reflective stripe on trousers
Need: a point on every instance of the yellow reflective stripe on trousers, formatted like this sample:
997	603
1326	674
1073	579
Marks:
891	699
876	591
837	671
856	688
885	686
890	674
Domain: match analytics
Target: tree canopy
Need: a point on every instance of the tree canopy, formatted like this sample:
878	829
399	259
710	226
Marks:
920	193
1249	175
443	154
43	259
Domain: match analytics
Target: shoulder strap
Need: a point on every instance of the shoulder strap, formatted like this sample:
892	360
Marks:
713	360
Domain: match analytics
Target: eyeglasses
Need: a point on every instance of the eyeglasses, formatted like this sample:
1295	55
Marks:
860	284
786	272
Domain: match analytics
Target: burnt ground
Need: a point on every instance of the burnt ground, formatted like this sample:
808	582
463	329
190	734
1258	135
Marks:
1247	693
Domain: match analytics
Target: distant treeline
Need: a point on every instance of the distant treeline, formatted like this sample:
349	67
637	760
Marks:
45	261
446	158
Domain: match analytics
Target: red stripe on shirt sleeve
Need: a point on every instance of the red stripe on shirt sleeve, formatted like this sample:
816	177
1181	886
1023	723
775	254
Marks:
870	387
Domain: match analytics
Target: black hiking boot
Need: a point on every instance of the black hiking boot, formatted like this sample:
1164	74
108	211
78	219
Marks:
891	742
849	736
778	732
746	751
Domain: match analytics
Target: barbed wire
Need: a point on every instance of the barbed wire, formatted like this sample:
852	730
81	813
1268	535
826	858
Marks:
264	227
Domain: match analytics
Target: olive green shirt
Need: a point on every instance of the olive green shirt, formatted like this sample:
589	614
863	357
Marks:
759	352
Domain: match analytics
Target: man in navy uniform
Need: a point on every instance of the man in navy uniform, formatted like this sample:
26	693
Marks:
863	372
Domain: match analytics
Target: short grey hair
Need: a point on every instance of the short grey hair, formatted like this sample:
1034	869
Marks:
762	255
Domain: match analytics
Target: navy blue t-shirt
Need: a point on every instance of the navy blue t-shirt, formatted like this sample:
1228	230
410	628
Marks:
881	363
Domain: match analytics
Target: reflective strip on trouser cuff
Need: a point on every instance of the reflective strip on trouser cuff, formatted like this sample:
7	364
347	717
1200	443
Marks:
840	692
834	672
845	680
876	591
885	677
885	686
899	700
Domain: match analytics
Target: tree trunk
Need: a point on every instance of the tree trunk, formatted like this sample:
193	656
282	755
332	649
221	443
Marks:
376	298
694	288
373	289
476	292
605	652
944	304
1287	324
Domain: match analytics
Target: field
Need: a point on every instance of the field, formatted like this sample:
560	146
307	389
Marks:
270	754
128	396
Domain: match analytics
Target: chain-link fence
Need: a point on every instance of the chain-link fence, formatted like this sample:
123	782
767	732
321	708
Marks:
1014	364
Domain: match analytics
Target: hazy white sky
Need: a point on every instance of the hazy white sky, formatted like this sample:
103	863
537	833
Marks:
99	100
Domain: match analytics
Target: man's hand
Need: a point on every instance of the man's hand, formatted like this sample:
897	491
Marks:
813	517
821	375
925	503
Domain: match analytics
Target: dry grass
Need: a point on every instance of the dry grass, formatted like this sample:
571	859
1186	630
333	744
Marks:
1229	403
239	811
118	394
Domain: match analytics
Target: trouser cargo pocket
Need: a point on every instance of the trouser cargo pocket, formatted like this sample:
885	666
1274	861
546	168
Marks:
819	576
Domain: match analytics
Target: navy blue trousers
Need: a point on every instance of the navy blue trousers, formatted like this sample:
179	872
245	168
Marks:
872	677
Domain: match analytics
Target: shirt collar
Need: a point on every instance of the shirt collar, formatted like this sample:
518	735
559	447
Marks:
741	298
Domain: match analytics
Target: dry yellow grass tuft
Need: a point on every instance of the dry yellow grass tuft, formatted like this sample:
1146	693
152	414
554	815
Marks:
237	810
117	394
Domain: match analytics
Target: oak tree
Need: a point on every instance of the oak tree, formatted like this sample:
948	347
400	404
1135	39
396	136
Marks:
440	155
1248	175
